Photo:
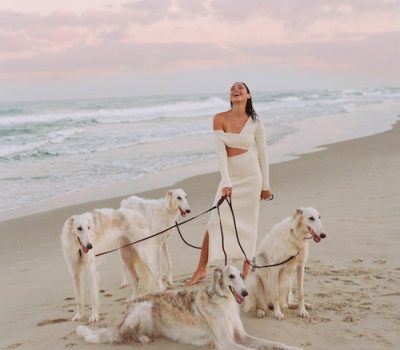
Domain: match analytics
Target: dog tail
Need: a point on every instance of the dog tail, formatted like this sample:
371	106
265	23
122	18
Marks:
98	336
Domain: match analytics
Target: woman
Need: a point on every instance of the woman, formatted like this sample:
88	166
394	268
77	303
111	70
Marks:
244	176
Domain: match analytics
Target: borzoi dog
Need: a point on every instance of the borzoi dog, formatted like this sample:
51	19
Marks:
160	214
273	285
83	236
208	316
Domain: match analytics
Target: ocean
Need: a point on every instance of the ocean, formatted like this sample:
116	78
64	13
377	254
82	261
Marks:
49	148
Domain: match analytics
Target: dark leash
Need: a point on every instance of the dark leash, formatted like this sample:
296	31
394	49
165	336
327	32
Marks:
220	201
252	264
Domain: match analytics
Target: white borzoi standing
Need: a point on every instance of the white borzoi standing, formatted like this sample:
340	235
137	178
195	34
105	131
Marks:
273	285
83	236
208	316
159	214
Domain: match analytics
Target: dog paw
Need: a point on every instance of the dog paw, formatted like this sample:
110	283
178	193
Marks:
261	313
94	317
144	339
124	284
280	316
303	313
77	317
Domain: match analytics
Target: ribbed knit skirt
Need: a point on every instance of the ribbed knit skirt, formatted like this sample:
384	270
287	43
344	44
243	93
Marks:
245	174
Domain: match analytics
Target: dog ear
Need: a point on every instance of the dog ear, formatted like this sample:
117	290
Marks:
169	198
71	223
218	279
297	212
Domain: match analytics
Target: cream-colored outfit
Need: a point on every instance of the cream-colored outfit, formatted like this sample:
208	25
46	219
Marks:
247	174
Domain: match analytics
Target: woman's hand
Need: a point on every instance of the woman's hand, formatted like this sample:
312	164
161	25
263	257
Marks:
227	191
266	194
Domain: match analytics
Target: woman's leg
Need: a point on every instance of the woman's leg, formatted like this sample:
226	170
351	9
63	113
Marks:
201	273
246	268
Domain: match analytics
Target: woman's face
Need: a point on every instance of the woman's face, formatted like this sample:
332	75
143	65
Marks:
239	93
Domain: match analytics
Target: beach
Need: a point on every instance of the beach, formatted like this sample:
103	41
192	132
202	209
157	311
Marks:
351	276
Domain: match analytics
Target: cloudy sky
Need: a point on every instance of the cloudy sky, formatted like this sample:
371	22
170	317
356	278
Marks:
89	48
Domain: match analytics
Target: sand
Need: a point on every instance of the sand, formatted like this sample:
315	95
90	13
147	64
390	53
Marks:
351	279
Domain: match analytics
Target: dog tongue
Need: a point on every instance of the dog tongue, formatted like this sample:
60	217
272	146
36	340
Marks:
239	298
84	249
315	237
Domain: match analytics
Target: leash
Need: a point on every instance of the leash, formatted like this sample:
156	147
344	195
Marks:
220	201
252	264
186	242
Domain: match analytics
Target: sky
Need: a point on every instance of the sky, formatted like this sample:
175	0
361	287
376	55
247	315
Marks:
108	48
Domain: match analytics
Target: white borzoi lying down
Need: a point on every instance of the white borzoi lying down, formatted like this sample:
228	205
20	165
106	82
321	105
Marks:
159	214
273	285
83	236
208	316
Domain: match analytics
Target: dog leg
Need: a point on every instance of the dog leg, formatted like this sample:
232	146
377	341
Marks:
94	291
149	260
300	283
76	273
124	270
274	284
167	258
128	257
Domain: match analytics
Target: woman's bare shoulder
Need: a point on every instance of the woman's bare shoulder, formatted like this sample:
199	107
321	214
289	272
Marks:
219	120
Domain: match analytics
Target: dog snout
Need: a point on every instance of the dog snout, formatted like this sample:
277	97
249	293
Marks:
323	235
89	246
188	211
245	293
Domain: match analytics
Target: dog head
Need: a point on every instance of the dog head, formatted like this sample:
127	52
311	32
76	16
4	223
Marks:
228	281
307	222
82	227
177	201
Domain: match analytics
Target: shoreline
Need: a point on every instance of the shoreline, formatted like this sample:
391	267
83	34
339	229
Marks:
170	176
351	276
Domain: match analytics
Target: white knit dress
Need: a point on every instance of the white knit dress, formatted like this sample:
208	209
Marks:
247	174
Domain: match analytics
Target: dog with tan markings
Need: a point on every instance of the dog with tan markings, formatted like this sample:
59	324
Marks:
203	317
159	215
272	286
83	236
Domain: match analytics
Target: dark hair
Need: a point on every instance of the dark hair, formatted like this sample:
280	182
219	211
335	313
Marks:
249	105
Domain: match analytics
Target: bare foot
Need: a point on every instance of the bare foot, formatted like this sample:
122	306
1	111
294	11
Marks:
197	276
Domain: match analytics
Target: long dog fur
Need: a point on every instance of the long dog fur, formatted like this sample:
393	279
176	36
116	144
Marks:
208	316
273	285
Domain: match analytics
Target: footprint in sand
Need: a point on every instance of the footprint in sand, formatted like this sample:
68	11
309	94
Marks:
46	322
69	298
380	262
13	346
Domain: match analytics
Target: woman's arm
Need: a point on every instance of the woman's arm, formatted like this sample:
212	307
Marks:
261	145
220	150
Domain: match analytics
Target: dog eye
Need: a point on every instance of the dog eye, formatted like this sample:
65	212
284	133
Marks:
88	227
79	228
231	276
319	217
311	218
179	197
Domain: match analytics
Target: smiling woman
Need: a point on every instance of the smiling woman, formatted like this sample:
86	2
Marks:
244	177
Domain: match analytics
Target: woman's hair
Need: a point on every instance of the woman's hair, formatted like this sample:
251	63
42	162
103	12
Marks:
249	105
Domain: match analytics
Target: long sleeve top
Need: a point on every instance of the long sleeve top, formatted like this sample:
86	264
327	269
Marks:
252	133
